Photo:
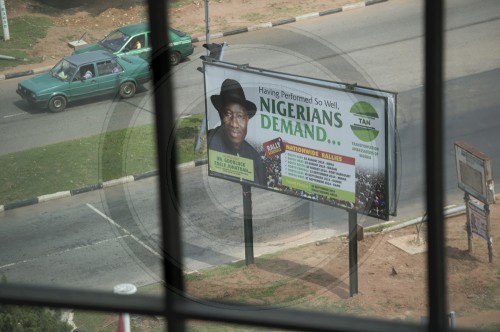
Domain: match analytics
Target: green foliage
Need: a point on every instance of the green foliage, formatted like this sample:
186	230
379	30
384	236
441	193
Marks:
31	319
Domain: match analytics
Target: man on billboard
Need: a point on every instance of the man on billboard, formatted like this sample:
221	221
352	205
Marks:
235	111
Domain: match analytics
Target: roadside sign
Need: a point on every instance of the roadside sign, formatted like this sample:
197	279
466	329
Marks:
324	141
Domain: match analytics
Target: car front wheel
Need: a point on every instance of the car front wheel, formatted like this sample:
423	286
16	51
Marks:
127	89
57	104
175	58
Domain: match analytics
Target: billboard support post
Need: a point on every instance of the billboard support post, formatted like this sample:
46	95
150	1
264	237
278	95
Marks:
467	223
475	178
353	253
488	230
248	227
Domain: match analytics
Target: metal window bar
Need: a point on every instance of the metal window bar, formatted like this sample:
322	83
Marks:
436	262
176	307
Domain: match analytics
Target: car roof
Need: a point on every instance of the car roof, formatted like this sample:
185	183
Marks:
134	29
87	57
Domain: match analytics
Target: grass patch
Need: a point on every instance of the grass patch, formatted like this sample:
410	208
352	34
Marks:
91	160
215	272
25	31
187	131
282	9
253	17
178	3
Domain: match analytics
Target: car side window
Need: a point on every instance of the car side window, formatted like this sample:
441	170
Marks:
108	67
85	71
137	43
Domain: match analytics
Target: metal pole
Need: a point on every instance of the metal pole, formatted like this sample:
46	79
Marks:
248	227
467	223
5	24
353	253
488	231
124	320
199	140
453	319
207	25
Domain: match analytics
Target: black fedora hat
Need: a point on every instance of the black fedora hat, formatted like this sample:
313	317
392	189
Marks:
232	91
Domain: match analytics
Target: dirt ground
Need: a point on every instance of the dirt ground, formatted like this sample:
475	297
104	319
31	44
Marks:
392	281
391	278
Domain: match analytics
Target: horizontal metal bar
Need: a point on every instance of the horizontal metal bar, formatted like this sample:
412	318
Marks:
56	297
187	308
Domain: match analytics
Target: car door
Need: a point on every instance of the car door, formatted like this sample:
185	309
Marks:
109	73
84	83
137	46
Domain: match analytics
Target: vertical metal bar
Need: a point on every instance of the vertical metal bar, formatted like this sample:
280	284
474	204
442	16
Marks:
164	101
248	223
353	253
434	26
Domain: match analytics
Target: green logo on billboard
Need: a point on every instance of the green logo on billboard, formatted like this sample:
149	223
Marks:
366	116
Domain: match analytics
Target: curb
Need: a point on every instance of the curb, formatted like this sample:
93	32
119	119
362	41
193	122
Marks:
236	31
291	19
92	187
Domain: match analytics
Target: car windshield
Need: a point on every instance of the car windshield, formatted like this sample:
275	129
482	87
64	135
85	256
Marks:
178	32
63	70
115	40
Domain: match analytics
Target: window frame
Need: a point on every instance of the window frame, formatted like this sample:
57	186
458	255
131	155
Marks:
177	307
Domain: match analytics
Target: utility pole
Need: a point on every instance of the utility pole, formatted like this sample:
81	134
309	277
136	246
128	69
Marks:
5	25
207	25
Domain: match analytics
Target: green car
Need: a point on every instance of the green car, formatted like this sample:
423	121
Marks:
135	39
84	76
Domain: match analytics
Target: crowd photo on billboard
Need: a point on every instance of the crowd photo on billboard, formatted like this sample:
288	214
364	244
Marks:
306	140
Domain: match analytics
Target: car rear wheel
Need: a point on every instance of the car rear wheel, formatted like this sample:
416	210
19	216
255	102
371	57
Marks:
174	58
57	104
127	89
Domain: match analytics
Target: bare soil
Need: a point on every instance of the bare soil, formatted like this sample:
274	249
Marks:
392	282
391	278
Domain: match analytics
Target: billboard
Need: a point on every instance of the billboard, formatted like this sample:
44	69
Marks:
474	172
323	141
478	220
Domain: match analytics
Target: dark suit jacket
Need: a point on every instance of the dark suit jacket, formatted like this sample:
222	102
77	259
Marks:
216	141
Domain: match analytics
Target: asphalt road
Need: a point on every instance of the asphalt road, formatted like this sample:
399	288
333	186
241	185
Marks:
99	239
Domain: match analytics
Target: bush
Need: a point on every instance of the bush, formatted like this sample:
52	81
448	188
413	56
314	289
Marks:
30	319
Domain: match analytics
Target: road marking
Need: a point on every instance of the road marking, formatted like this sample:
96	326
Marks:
112	222
13	115
57	253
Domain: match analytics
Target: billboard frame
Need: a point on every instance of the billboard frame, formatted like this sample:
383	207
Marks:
469	159
389	100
